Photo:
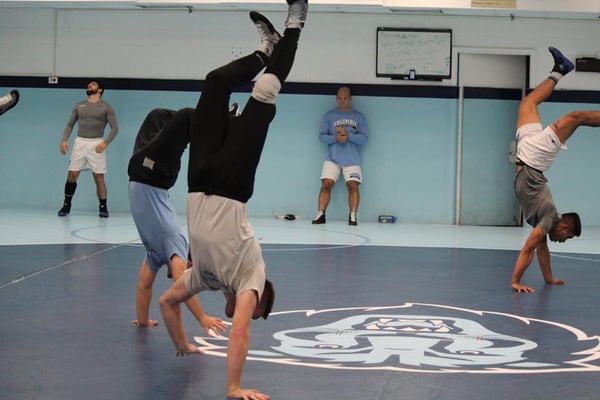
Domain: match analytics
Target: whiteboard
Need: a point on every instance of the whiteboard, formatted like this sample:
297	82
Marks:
424	54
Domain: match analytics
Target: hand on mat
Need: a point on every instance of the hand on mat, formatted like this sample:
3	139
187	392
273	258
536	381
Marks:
213	324
522	288
247	394
188	350
149	324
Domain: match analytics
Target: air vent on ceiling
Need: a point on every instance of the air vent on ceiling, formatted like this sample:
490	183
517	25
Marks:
435	11
164	6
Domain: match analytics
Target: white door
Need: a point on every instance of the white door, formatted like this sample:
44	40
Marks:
491	86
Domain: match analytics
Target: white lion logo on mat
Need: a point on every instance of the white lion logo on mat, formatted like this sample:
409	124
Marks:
422	338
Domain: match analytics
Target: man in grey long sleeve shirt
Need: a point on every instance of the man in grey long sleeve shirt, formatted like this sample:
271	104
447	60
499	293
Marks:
91	115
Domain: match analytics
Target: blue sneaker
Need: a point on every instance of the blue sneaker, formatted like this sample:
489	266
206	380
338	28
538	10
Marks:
562	64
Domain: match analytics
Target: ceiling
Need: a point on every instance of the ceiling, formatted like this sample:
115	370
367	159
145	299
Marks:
548	9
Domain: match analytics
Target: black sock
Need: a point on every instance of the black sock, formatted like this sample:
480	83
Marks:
70	188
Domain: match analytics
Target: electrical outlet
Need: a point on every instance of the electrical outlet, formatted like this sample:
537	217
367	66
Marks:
53	80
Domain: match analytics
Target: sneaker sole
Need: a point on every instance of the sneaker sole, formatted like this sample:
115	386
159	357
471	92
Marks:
258	17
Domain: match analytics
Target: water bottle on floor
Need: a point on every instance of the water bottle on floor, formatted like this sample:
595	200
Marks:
385	219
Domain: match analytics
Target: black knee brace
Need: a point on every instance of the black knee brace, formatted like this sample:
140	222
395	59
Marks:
70	189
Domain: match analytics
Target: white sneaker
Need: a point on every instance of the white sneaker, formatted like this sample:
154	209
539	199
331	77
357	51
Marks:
9	101
297	11
268	35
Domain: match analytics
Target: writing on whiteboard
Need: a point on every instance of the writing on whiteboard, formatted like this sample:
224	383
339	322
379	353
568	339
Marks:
426	52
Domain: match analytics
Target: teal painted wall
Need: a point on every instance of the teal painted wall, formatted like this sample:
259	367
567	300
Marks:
409	163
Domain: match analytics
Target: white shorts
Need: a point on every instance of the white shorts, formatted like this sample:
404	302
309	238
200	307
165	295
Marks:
84	156
536	147
332	171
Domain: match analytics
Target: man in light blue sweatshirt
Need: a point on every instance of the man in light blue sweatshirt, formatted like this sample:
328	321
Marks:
343	129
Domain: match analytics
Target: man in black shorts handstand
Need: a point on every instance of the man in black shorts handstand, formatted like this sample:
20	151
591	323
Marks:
223	159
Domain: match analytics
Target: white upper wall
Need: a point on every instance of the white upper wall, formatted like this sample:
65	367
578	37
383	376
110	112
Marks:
334	47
